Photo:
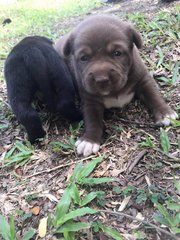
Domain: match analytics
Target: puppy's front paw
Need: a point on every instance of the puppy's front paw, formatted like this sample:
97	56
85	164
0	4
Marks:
86	148
166	119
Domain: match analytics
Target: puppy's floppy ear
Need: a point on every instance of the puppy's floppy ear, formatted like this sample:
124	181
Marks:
68	45
64	45
135	37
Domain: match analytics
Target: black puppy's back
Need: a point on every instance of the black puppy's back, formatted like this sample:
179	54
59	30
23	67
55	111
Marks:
34	65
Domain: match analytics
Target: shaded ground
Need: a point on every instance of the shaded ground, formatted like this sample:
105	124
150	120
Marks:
29	186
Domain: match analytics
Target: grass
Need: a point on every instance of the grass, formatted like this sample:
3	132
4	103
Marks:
36	18
162	33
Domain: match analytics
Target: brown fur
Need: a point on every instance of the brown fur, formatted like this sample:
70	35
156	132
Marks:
102	53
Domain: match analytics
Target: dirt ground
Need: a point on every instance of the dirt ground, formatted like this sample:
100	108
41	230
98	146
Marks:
41	181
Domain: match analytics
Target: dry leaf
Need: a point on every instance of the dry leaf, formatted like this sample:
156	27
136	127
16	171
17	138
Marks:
19	172
135	224
115	172
42	229
8	207
124	204
129	134
51	197
35	210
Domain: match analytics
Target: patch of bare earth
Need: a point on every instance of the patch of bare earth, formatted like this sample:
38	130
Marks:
39	184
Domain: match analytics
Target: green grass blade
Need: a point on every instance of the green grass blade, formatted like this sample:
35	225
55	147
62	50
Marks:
9	153
73	227
29	234
175	123
161	56
63	205
176	184
173	206
175	74
159	218
4	228
12	228
18	158
72	141
90	167
164	139
88	198
74	193
3	126
177	219
111	232
165	214
21	147
94	181
76	172
68	235
76	213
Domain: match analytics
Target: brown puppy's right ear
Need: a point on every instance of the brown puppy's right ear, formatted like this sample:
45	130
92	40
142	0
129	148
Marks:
67	45
137	38
64	45
134	37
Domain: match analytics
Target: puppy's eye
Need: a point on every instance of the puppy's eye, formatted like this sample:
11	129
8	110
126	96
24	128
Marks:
84	58
116	53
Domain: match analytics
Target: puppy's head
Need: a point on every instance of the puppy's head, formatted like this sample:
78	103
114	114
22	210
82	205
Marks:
101	48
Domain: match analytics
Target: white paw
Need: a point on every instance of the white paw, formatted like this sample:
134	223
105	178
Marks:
86	148
167	119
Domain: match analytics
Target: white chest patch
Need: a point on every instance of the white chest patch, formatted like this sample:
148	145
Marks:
118	102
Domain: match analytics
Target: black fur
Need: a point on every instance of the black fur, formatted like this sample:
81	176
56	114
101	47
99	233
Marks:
34	65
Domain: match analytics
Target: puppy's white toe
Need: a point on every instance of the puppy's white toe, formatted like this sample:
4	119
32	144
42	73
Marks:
77	142
86	148
95	148
166	121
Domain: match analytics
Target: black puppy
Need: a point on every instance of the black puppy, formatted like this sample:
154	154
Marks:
34	65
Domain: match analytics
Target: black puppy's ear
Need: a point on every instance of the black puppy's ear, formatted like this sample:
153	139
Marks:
135	37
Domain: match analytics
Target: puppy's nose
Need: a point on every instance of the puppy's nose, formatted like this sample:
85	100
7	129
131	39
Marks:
102	79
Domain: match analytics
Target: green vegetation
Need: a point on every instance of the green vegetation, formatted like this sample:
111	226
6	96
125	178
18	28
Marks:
8	231
162	32
19	154
36	18
70	143
169	213
71	206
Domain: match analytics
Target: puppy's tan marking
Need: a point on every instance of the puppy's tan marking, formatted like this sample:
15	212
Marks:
118	102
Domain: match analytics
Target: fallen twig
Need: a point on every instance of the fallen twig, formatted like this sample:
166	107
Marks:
140	220
170	156
58	167
151	125
136	160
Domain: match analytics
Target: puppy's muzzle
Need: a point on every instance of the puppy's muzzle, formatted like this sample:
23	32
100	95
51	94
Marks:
102	81
99	82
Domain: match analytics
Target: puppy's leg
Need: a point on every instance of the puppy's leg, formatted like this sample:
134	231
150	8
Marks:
93	118
20	93
29	118
149	93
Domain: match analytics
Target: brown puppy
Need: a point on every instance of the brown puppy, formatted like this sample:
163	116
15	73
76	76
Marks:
102	55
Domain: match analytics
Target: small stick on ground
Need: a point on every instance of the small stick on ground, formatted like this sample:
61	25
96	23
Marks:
136	160
151	125
58	167
140	220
